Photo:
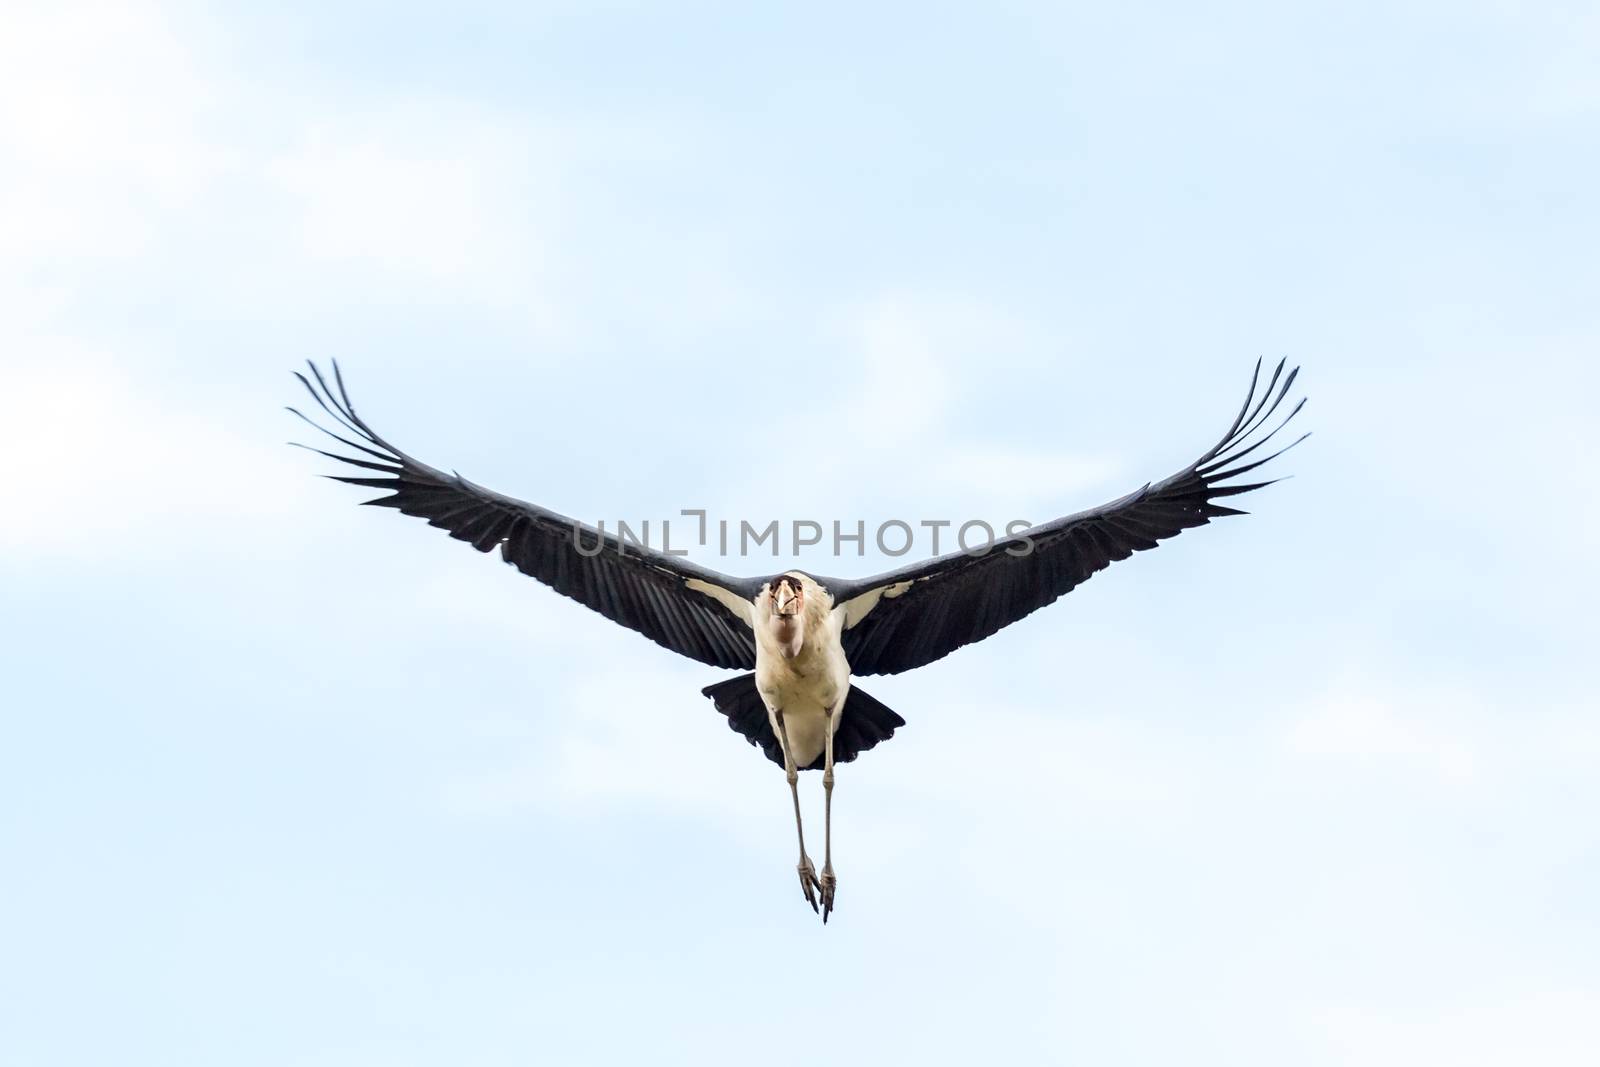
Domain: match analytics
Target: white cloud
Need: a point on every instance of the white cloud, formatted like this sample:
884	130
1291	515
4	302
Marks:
920	358
1552	1028
363	200
1562	84
118	142
908	384
108	466
1045	481
100	108
1456	729
640	737
427	191
1378	727
108	150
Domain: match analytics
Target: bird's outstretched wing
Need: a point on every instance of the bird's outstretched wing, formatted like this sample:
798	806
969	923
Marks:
694	611
922	612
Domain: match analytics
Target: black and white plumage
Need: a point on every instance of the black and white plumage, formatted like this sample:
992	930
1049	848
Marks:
801	637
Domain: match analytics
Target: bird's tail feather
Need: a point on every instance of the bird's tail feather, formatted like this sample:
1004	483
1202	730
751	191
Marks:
863	723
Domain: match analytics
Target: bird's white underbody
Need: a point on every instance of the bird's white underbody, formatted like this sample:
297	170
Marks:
801	668
803	676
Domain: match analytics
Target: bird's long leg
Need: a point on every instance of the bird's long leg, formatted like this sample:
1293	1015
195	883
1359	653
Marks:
828	883
808	873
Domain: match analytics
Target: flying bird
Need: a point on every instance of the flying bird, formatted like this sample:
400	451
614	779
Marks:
801	638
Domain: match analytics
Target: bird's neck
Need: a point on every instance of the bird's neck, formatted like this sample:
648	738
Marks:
789	634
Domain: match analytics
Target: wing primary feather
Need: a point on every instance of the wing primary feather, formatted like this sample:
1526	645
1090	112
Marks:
344	394
391	452
1235	490
1257	423
370	483
322	382
332	410
1229	437
1238	421
1235	472
1233	457
387	468
1266	395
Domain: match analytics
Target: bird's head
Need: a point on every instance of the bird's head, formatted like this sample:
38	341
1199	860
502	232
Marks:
788	595
784	599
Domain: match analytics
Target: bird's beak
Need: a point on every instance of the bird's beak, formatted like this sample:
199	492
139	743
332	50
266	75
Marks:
786	600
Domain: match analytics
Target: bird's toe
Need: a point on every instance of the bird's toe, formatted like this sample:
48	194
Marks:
808	882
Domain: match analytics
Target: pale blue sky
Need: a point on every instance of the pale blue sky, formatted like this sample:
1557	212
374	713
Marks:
290	782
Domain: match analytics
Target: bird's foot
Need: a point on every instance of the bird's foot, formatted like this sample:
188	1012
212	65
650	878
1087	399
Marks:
826	885
808	881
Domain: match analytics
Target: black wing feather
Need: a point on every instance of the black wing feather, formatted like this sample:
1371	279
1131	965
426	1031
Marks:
958	599
640	588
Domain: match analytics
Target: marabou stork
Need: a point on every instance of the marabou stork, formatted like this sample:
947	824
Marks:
800	637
